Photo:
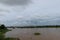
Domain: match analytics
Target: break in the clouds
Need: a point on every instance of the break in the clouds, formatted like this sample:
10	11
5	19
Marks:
37	12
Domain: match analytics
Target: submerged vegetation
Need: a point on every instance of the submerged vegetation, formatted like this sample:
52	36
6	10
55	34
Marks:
37	33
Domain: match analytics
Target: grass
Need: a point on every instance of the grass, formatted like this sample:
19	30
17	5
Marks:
12	39
2	37
2	31
37	33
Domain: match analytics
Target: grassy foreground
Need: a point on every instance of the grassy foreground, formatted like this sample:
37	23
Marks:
2	37
3	30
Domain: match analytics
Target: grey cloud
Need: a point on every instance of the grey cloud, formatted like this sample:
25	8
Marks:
15	2
2	10
33	22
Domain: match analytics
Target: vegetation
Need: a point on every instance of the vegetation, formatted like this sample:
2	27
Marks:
45	26
3	26
1	36
36	33
12	39
3	30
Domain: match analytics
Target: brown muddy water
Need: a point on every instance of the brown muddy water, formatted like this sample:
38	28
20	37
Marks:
28	33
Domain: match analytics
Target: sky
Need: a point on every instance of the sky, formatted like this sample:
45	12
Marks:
29	12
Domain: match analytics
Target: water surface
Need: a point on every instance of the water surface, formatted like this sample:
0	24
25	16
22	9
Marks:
28	33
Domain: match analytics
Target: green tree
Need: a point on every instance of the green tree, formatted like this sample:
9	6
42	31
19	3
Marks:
3	26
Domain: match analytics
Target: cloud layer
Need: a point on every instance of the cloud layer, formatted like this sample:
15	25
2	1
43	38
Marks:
39	12
15	2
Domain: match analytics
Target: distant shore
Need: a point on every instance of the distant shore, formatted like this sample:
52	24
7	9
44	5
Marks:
49	26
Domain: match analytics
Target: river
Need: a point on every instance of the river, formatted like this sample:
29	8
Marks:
28	33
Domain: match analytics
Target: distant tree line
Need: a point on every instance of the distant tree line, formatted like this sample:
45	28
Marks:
45	26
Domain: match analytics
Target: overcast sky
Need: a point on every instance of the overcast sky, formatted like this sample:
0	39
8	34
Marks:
29	12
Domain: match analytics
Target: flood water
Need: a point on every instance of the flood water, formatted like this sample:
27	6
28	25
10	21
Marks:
28	33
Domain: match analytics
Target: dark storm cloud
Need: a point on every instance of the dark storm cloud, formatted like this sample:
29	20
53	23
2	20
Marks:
15	2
